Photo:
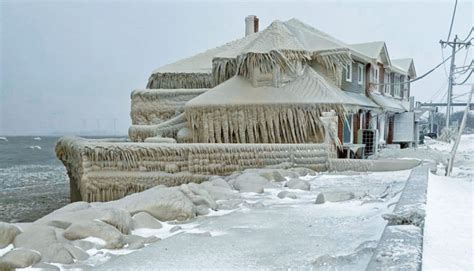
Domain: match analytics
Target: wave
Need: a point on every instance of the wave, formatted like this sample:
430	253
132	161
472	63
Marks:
2	138
35	147
37	138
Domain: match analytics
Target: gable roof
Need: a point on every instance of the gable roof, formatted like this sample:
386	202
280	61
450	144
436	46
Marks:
406	65
376	50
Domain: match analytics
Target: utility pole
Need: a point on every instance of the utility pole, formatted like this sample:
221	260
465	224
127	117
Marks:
454	45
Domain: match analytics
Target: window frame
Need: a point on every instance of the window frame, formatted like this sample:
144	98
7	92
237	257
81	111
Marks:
360	74
387	83
376	75
348	72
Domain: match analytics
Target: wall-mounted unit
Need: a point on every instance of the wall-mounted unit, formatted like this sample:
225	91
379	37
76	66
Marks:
404	127
369	137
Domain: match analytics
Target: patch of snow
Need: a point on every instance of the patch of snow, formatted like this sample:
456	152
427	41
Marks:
6	249
448	236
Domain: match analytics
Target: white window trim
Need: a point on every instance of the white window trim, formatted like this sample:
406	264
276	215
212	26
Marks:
387	84
376	74
348	72
396	89
360	75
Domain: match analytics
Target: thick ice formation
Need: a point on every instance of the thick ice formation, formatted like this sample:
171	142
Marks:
83	235
102	171
153	106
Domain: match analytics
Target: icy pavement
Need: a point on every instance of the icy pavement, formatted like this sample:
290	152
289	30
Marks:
448	235
272	233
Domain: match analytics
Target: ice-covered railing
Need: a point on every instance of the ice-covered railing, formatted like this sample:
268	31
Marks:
169	128
153	106
103	171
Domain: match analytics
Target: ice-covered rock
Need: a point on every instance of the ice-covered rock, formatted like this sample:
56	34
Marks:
198	196
286	194
251	182
145	220
163	203
220	193
19	258
298	184
98	229
302	171
8	232
218	181
320	199
134	241
43	239
337	196
116	217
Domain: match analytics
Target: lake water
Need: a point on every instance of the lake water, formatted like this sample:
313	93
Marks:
33	182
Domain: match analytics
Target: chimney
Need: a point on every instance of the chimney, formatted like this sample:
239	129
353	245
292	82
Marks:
251	25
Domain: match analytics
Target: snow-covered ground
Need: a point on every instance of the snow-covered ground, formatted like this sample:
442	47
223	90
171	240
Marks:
448	234
267	232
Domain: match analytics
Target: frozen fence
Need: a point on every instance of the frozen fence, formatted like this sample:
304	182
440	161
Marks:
103	171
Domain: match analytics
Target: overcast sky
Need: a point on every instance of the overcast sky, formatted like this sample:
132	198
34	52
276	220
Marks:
70	66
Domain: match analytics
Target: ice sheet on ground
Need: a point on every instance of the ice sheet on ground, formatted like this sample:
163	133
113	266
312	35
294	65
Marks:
266	232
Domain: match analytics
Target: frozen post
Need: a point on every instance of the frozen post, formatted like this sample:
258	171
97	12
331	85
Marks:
458	138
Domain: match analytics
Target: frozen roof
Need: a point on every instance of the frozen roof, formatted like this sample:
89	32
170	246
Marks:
202	62
376	50
308	88
290	35
405	64
388	103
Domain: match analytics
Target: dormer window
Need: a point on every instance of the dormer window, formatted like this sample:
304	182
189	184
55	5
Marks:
360	74
348	70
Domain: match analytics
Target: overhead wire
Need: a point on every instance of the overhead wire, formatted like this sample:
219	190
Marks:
452	20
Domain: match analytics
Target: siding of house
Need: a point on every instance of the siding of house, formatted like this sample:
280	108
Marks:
353	86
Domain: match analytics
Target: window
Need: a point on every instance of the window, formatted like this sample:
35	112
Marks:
387	82
348	135
396	89
376	79
360	74
348	70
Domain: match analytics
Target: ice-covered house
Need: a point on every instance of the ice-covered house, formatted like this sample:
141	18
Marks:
286	95
276	81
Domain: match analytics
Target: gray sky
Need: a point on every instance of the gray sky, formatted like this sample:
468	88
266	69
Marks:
69	66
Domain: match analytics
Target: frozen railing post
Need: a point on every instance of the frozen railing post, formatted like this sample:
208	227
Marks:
329	120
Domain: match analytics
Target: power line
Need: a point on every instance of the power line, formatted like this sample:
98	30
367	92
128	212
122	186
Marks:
469	35
424	75
452	21
435	95
467	78
444	66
